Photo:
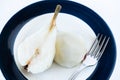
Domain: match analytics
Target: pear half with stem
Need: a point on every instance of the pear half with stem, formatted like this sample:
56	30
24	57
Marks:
36	52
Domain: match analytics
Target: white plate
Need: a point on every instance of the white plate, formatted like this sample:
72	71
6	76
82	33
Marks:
65	22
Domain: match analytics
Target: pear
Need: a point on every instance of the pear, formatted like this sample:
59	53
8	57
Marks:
70	49
36	52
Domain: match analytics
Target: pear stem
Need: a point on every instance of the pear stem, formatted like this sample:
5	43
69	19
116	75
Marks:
53	21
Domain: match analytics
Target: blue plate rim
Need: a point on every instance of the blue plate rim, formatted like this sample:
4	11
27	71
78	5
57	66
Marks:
56	2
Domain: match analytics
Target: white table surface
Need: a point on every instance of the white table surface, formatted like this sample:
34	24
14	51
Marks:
109	10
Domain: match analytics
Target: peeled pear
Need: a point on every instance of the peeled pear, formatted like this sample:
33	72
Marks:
36	52
70	49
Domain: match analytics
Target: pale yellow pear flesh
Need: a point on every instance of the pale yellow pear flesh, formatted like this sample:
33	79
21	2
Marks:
36	52
47	52
27	48
70	49
44	42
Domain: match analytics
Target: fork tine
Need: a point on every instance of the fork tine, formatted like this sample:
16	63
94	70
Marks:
103	49
93	45
100	47
97	46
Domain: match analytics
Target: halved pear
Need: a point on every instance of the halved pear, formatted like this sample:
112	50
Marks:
36	52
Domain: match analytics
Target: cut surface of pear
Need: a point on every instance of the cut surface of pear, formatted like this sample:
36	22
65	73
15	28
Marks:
36	52
70	49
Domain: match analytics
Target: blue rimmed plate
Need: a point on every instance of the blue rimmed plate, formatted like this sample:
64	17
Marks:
96	23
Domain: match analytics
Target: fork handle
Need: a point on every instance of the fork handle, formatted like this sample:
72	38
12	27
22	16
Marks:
76	73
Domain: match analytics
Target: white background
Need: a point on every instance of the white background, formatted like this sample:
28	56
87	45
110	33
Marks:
109	10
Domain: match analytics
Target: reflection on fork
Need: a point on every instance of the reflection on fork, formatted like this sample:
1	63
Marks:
93	55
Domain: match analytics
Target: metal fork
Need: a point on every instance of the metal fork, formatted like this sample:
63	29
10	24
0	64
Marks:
93	55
